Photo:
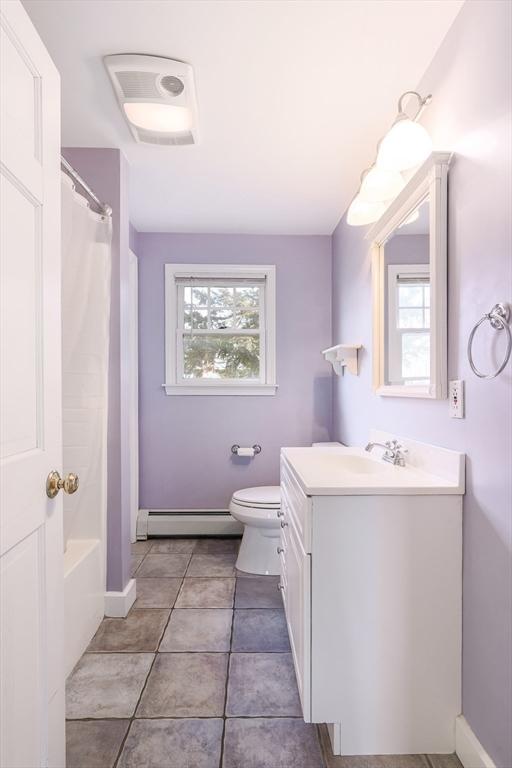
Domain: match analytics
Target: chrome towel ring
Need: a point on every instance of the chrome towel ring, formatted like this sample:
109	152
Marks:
498	318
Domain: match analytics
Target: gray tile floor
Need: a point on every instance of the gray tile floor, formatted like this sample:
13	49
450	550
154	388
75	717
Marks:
199	674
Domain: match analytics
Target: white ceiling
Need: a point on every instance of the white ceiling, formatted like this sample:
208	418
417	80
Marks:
292	98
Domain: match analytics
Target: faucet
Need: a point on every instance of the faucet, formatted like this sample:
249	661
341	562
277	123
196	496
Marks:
394	453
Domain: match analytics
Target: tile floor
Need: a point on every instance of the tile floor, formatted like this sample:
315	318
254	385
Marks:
198	675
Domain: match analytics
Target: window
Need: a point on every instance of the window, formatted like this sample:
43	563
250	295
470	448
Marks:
220	329
409	324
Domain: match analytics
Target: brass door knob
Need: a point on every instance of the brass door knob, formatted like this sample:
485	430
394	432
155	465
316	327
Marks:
54	483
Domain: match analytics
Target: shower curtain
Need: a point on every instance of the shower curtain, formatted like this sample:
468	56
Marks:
86	263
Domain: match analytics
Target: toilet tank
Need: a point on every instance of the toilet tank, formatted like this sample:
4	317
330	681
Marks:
327	445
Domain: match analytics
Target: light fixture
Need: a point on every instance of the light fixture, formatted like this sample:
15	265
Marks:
380	184
157	97
363	212
407	143
165	118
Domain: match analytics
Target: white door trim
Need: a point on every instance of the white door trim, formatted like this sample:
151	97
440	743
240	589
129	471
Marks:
133	374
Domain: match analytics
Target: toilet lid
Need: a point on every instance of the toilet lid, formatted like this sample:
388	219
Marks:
262	496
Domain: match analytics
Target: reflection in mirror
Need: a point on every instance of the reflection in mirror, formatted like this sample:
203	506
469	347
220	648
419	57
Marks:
407	301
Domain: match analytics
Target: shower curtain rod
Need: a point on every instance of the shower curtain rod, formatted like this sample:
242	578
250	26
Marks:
105	208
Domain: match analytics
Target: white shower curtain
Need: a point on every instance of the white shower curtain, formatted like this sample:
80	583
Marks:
86	264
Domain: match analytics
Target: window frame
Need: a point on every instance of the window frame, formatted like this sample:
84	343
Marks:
395	333
175	384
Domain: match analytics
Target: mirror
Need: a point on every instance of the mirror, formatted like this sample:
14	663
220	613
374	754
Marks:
409	302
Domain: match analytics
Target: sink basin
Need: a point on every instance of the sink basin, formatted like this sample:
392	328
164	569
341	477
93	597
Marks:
357	465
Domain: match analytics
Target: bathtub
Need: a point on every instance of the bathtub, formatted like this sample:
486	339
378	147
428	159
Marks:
84	579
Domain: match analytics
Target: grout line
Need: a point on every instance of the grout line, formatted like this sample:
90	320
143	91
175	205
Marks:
228	669
186	717
132	718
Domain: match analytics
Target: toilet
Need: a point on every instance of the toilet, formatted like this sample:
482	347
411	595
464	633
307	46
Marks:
257	508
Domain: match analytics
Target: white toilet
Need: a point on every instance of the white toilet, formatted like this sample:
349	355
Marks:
257	508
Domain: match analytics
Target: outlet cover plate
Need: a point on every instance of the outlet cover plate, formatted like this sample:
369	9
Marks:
456	398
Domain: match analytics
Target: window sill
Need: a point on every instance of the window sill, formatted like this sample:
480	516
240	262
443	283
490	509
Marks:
220	389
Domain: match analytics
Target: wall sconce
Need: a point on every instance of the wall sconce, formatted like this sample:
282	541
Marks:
405	145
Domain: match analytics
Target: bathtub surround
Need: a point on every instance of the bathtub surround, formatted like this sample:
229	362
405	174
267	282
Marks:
470	77
185	442
106	171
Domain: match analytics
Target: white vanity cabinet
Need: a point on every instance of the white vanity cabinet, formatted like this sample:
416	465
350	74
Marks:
371	585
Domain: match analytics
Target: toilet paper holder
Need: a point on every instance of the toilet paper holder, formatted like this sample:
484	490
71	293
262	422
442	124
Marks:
256	448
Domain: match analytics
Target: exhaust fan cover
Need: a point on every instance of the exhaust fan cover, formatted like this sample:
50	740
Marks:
157	97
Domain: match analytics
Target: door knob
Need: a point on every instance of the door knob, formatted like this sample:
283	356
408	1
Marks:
54	483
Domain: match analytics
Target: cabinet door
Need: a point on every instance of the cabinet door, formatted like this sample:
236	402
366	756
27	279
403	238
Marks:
298	612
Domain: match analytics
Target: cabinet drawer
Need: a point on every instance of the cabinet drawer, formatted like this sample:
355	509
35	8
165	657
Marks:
296	505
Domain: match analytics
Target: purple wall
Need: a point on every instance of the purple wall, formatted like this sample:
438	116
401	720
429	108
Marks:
185	459
407	249
106	171
470	78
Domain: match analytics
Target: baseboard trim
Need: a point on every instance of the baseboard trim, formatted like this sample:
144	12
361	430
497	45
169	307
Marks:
187	522
469	750
117	604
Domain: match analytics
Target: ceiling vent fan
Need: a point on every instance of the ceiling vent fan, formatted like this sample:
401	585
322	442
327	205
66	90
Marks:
157	97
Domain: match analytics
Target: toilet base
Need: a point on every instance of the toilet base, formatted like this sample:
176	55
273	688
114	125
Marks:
258	551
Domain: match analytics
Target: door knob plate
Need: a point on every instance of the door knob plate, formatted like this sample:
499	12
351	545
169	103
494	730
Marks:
54	483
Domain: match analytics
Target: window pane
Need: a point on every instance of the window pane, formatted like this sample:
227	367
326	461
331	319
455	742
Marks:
200	297
415	355
248	296
221	318
221	357
427	318
247	319
410	318
187	294
199	318
221	297
410	296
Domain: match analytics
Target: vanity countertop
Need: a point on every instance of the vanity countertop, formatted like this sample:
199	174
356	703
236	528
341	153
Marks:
347	471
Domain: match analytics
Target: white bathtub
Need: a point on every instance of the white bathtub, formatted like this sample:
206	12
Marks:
84	596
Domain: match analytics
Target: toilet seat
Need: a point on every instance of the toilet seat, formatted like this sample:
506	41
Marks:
259	517
262	497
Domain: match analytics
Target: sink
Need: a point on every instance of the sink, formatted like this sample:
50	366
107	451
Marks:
353	464
352	471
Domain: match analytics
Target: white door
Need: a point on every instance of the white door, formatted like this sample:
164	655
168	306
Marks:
31	545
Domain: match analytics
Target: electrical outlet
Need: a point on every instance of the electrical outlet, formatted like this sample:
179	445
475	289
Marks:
456	398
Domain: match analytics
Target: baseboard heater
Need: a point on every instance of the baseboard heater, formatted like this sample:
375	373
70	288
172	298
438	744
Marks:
186	522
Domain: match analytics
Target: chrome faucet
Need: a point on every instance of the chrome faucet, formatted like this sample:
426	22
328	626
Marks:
394	453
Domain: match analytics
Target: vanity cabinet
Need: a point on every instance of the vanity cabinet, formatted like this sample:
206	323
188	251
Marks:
371	587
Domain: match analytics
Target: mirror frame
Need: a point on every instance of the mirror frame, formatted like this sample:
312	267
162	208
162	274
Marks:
430	181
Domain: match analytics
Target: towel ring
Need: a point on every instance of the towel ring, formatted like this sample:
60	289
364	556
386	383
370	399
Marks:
498	318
